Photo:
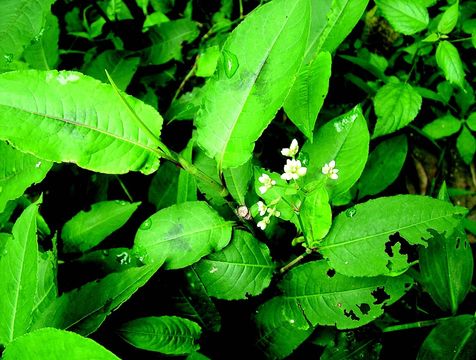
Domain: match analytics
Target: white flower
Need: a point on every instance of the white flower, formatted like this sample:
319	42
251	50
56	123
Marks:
292	150
330	170
267	183
293	170
263	223
273	212
262	208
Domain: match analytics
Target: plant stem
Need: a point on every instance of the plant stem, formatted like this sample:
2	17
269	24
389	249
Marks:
414	325
185	79
123	186
293	262
241	9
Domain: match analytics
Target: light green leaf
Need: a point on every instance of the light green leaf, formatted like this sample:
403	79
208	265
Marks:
46	287
466	145
345	140
449	61
308	93
237	181
54	344
242	269
17	172
396	105
444	126
406	16
59	123
362	242
383	167
240	102
316	214
207	61
315	295
88	228
165	334
453	338
185	107
186	183
18	277
182	234
449	19
471	121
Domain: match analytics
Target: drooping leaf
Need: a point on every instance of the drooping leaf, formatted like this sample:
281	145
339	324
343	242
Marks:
182	234
406	16
442	127
54	344
449	61
97	131
449	19
237	181
18	277
396	105
88	228
242	269
240	102
17	172
466	145
362	242
316	214
165	334
314	294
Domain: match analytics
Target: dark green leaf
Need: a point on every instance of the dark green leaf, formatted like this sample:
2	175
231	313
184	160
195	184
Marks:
466	145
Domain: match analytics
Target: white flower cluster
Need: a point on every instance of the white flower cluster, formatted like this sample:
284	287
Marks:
293	169
263	209
330	170
267	183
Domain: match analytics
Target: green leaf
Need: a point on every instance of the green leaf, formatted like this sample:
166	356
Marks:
446	266
396	105
345	140
182	234
165	334
352	345
406	16
237	181
207	61
316	214
59	123
466	145
277	336
242	269
185	107
308	93
253	89
17	172
449	19
88	228
383	167
314	294
471	121
444	126
46	287
453	338
449	61
21	21
363	242
54	344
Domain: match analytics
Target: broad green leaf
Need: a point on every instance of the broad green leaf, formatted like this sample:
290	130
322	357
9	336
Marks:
314	294
20	22
367	240
242	269
308	93
83	310
471	121
88	228
383	167
18	277
237	181
277	337
17	172
316	214
453	338
449	61
207	61
444	126
446	266
120	67
449	19
345	140
466	145
46	287
406	16
165	334
465	97
240	102
396	105
59	123
54	344
182	234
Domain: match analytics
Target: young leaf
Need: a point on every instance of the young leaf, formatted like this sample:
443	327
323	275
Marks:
18	277
59	123
244	268
444	126
316	214
17	172
471	121
315	294
240	102
88	228
449	61
363	242
449	19
383	167
466	145
207	61
54	344
182	234
308	93
396	105
237	181
170	335
406	16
